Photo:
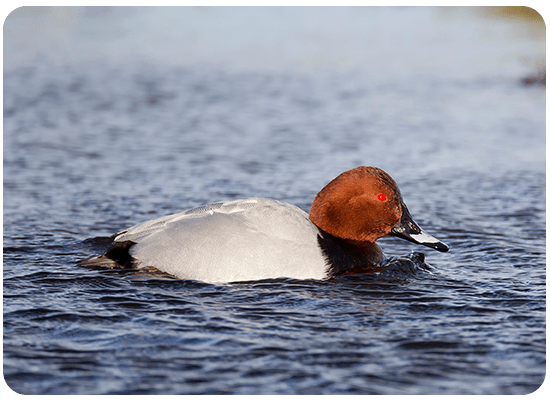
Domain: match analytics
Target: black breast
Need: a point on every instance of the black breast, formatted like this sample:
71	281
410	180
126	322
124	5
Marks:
345	257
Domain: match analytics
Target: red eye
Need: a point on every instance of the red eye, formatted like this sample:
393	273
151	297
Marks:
381	197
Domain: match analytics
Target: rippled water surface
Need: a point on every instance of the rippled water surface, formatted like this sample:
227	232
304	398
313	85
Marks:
92	146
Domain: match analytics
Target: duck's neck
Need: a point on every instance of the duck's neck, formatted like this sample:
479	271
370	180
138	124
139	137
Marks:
350	257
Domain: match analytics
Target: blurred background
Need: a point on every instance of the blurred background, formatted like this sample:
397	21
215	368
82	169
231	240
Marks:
445	41
273	90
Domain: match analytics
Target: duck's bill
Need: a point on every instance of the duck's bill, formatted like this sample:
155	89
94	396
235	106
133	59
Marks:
407	229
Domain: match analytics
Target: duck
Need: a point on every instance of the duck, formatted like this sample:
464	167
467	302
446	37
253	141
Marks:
262	238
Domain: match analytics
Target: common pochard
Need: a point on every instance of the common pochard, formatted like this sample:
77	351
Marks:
260	238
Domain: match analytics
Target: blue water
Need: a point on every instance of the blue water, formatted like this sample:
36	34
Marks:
106	125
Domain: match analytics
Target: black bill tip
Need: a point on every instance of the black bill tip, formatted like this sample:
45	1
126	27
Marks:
409	230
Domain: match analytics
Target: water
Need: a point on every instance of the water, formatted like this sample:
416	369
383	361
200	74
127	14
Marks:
100	135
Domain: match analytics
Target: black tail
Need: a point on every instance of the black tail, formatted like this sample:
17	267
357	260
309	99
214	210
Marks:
116	257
